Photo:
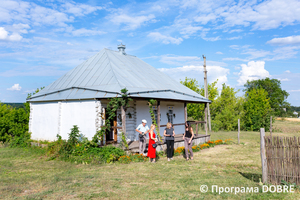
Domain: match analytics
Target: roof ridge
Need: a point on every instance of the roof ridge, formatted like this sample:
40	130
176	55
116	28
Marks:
118	52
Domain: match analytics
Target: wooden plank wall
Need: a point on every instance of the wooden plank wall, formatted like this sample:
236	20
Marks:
130	122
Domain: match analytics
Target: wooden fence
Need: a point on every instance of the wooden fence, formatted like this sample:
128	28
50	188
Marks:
283	159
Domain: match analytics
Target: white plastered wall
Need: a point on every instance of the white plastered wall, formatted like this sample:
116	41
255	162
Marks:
142	112
44	120
48	119
80	113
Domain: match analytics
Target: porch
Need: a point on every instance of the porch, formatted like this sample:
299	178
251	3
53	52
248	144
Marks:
198	139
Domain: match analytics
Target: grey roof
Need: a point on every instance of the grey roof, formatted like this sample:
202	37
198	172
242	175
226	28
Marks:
106	73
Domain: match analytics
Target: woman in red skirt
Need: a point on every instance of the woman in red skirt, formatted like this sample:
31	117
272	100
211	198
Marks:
151	151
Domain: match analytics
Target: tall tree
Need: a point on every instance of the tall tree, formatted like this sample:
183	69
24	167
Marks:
276	95
227	109
195	110
257	110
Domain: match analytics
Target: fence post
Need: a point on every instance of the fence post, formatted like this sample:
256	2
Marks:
271	126
263	156
238	131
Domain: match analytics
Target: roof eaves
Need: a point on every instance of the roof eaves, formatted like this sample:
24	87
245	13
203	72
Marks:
70	88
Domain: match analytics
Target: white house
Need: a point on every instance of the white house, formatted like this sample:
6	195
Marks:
295	113
80	97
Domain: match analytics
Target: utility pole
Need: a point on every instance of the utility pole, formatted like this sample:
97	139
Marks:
207	111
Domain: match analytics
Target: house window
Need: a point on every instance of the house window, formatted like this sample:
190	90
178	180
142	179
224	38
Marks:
170	114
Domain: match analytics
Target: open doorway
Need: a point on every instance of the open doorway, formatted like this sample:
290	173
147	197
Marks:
111	135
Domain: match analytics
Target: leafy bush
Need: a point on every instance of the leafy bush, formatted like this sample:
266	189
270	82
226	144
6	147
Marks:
78	149
14	125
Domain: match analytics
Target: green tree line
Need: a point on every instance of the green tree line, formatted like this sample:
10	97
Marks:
14	122
262	98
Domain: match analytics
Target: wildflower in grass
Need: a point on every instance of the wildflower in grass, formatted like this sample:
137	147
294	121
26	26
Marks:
180	149
196	148
204	146
217	142
228	141
210	143
124	159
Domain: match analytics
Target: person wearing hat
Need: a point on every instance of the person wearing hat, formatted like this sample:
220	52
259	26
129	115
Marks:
142	129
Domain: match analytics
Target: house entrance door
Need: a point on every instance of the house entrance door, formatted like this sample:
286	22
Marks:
111	135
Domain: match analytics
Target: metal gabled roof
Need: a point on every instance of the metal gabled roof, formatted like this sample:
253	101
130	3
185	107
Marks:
106	73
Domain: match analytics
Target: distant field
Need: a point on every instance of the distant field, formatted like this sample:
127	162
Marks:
26	174
289	119
288	125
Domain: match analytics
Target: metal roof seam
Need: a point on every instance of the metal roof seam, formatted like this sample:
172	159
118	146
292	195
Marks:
88	67
112	68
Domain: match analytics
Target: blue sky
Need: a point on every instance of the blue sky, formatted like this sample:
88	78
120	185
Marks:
242	40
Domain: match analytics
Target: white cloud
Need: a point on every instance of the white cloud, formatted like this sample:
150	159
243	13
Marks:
233	59
185	60
283	53
291	40
263	16
235	47
284	79
164	39
4	35
33	71
212	39
193	71
29	12
15	87
252	71
179	60
204	19
79	9
254	53
86	32
287	71
131	22
235	31
219	52
294	91
18	28
235	38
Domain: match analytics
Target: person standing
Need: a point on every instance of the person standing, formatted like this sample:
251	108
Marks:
142	129
187	138
151	150
169	134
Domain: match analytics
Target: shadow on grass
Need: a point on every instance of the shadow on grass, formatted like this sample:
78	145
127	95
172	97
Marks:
251	176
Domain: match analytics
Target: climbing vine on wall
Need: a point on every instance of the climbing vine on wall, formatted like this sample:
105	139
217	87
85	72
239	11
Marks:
152	102
112	107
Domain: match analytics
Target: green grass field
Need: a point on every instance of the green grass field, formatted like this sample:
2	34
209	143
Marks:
26	174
